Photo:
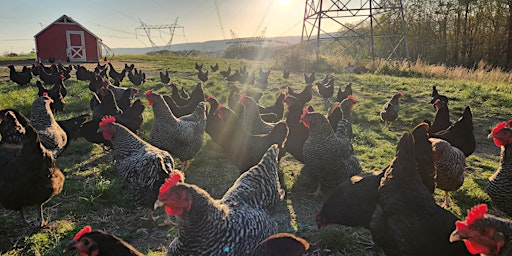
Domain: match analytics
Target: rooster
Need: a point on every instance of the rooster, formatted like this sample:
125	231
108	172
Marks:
328	155
28	174
232	225
98	242
21	78
389	112
407	219
143	166
182	137
498	186
483	233
53	137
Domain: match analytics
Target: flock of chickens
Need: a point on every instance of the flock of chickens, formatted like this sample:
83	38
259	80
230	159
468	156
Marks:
395	204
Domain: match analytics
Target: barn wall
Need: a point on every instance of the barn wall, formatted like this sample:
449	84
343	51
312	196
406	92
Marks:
51	43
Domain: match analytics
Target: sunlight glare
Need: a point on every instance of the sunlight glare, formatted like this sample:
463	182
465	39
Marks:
284	2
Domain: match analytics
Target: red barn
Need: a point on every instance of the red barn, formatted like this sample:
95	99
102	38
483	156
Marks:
67	40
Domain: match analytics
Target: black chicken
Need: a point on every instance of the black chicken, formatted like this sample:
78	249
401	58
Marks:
99	242
164	77
21	78
460	134
341	95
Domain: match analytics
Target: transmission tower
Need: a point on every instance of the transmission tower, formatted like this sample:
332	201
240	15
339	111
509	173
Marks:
358	27
147	29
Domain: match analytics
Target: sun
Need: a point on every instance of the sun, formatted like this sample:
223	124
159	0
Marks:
284	2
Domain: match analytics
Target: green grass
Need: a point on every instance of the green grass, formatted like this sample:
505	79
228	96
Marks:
93	194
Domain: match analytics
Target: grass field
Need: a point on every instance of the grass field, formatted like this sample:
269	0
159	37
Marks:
94	195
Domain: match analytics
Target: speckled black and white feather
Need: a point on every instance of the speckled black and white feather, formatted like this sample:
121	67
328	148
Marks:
52	135
329	156
499	187
450	165
182	137
143	166
235	224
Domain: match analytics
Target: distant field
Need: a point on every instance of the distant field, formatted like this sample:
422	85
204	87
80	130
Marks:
94	195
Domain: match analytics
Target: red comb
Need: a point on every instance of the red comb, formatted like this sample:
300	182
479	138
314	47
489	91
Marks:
351	97
210	97
306	111
498	127
107	119
219	107
45	94
148	92
475	213
170	182
80	233
401	94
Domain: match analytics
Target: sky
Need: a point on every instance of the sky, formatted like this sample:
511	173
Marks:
115	21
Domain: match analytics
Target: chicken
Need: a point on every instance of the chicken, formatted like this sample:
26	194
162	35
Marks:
483	233
225	73
450	165
164	77
117	76
21	78
407	220
49	75
498	186
28	175
305	95
136	77
203	76
389	112
108	104
182	137
196	96
326	90
53	137
309	79
83	74
283	244
12	126
460	134
341	95
234	224
72	126
328	156
286	74
277	108
215	67
98	242
352	203
55	93
243	149
436	96
251	119
298	133
141	165
199	66
176	96
442	117
341	110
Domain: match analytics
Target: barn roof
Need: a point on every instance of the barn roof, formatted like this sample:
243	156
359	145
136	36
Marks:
64	19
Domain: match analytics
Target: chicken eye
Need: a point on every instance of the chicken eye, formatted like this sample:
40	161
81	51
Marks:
86	242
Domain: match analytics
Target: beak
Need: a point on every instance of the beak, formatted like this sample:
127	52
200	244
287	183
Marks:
69	247
157	204
456	236
99	130
490	136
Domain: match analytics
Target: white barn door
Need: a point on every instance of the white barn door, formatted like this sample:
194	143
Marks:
76	45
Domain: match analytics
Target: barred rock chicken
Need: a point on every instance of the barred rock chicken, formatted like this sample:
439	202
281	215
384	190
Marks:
53	137
341	95
460	134
499	185
442	117
283	244
407	219
352	203
164	77
298	133
182	137
450	165
232	225
483	233
251	119
389	112
28	174
328	155
98	242
143	166
21	78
